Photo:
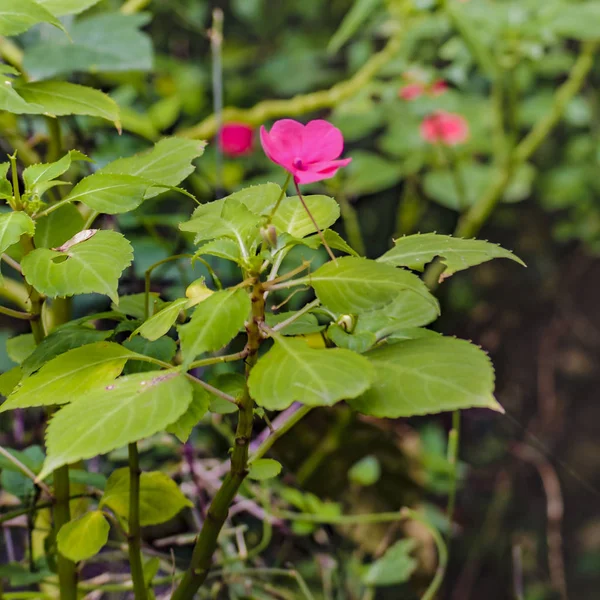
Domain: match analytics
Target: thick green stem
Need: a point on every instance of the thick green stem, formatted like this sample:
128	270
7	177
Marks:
67	573
134	537
206	544
54	139
453	446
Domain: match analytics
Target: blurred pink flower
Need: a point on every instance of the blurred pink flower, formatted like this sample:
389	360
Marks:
411	91
236	139
438	88
445	128
308	152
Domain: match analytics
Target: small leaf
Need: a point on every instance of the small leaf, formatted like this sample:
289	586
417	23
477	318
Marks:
264	468
233	384
415	251
69	375
93	265
300	326
215	322
37	175
67	7
20	347
428	375
292	371
17	16
182	428
60	98
365	472
355	285
12	226
291	217
160	498
160	323
109	417
84	537
394	567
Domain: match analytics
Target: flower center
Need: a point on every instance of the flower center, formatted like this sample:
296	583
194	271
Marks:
298	164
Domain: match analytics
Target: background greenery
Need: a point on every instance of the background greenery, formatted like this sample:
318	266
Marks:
504	62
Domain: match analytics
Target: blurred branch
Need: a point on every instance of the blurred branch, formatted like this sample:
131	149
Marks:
11	53
299	105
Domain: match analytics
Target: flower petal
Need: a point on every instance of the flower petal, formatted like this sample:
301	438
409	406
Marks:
321	170
321	141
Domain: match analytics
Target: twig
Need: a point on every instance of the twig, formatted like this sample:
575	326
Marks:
26	471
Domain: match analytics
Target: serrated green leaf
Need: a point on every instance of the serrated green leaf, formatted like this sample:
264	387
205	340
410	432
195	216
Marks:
428	375
37	175
12	226
354	285
415	251
55	229
109	417
169	162
17	16
65	377
264	468
182	428
291	217
160	323
60	98
67	7
84	537
394	567
292	371
109	42
160	498
93	265
215	322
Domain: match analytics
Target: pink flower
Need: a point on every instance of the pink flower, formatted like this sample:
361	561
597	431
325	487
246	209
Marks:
308	152
445	128
438	88
411	91
236	139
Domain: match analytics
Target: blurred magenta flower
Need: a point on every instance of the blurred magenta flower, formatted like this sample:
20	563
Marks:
308	152
438	87
236	139
445	128
412	91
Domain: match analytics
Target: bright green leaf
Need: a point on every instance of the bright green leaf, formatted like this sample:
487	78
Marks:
67	7
11	102
92	265
300	326
264	468
428	375
292	371
215	322
69	375
160	498
12	226
394	567
160	323
109	417
415	251
84	537
182	428
291	217
37	175
365	472
17	16
20	347
353	285
59	226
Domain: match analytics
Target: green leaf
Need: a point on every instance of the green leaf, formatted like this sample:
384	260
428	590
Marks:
292	371
163	349
84	537
365	472
66	7
58	227
9	380
20	347
580	21
17	16
394	567
264	468
233	384
133	305
11	102
415	251
160	323
359	341
301	326
223	248
36	177
160	498
12	226
109	417
428	375
354	285
110	42
292	218
353	21
182	428
6	190
215	322
92	265
60	98
75	372
369	173
168	163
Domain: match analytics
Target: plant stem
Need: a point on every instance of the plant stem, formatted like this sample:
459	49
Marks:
284	188
25	470
215	35
67	574
453	447
16	204
217	513
214	360
55	139
134	537
17	314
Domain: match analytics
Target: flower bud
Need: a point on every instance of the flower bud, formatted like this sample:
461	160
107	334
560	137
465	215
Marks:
347	323
269	234
198	291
